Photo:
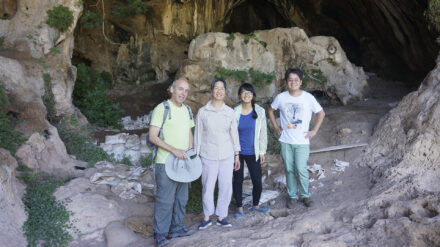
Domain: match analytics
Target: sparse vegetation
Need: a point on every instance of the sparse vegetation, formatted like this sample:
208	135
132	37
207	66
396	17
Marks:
132	8
60	18
247	37
313	75
2	40
91	19
146	161
258	78
10	139
89	95
273	145
49	98
432	14
48	220
230	40
126	161
81	145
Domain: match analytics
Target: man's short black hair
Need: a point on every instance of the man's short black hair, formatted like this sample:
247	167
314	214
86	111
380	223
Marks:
296	71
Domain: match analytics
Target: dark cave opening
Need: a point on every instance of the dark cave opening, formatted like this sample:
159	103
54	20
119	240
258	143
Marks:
362	29
255	15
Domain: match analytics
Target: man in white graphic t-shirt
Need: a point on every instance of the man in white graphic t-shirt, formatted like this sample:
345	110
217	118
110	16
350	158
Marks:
296	108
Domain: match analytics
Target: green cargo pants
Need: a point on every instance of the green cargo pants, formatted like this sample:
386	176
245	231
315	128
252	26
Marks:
295	158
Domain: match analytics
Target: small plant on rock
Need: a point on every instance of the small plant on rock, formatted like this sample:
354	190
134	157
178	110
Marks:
91	19
49	98
60	18
146	161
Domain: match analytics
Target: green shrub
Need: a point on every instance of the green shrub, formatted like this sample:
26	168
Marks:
91	19
2	40
81	145
126	161
230	40
146	161
90	96
48	220
60	18
132	8
9	138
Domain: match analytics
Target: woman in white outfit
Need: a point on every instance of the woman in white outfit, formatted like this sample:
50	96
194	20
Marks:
217	143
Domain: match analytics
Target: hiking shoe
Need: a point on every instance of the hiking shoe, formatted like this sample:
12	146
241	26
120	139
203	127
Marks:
307	202
181	233
291	202
238	214
160	240
223	223
204	224
260	209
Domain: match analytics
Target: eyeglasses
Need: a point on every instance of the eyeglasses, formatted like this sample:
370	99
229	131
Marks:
294	79
246	93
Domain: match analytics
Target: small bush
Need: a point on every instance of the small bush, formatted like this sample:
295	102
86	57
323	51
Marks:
48	220
126	161
194	204
60	18
2	40
132	8
91	19
146	161
261	79
90	96
81	146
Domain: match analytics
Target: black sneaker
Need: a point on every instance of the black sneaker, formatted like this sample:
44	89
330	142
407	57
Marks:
204	224
307	202
160	240
181	233
291	202
223	223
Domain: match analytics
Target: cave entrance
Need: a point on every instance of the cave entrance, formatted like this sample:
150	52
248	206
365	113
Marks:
254	15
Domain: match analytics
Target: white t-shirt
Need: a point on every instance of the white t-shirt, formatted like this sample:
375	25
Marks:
295	114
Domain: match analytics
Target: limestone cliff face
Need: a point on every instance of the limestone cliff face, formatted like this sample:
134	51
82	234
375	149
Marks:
31	49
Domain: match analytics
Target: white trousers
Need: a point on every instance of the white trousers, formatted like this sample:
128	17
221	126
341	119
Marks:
211	171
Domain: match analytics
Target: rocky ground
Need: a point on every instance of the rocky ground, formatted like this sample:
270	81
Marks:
351	207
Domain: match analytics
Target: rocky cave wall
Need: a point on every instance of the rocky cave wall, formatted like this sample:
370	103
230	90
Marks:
389	37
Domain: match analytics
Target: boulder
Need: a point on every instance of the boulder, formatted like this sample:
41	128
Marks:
11	207
92	211
48	154
322	59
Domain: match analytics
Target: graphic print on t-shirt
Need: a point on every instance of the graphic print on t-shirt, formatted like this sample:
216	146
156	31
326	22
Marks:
293	114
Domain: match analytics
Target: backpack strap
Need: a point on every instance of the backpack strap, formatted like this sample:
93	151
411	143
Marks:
191	115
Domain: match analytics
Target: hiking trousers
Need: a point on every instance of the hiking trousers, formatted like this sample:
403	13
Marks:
295	158
170	203
211	170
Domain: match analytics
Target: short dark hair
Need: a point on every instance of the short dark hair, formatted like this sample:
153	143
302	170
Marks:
296	71
216	80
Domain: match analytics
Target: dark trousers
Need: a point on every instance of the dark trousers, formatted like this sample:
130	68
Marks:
254	168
